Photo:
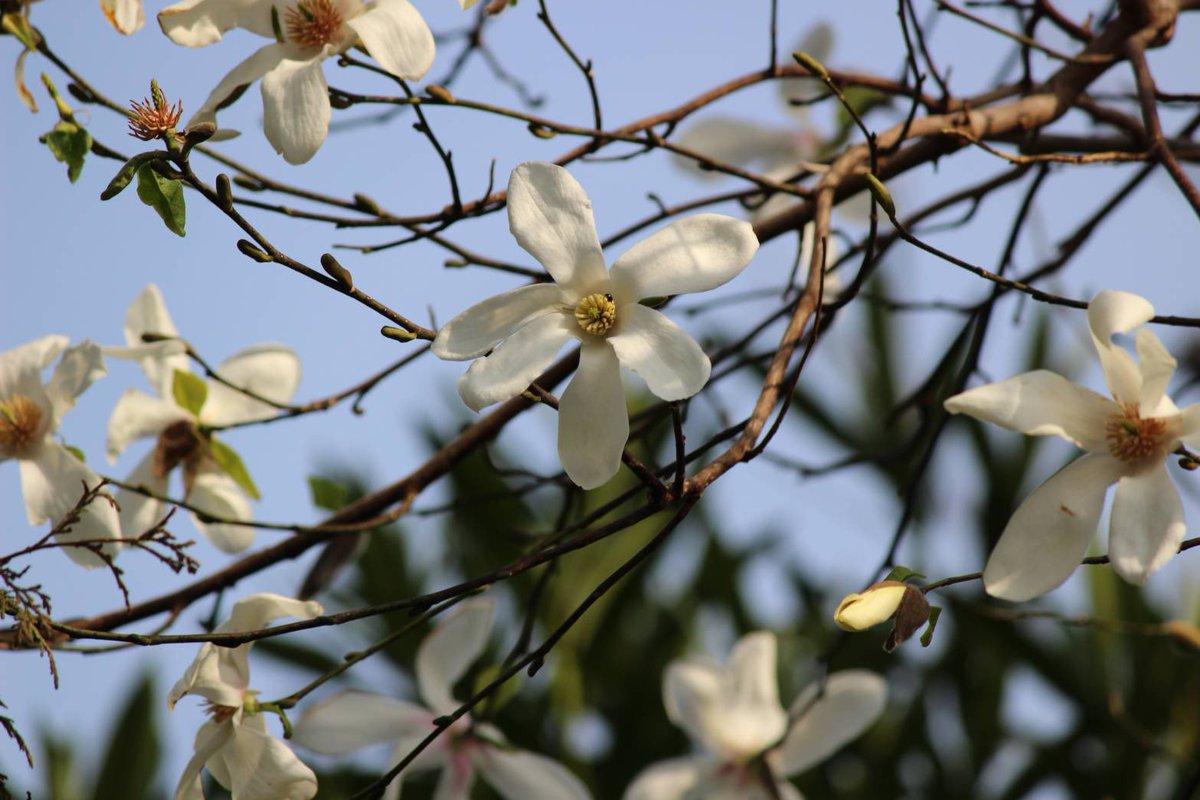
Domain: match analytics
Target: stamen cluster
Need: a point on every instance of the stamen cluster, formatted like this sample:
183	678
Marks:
596	313
313	23
20	423
154	116
1131	438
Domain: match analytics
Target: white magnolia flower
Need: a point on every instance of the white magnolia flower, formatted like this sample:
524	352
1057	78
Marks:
733	713
295	96
127	16
516	335
1127	440
52	479
269	370
233	745
351	720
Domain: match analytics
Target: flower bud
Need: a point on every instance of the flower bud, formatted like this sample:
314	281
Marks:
902	603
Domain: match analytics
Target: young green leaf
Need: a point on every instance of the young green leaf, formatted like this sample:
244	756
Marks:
327	494
189	391
69	143
902	574
231	464
927	636
125	174
75	451
164	195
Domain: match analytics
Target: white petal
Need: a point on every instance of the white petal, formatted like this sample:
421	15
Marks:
693	254
21	369
140	513
1040	403
671	362
53	482
296	108
127	16
1049	532
550	216
351	720
211	737
260	767
1157	366
593	423
195	23
455	783
669	780
159	360
259	610
1189	426
1111	313
739	142
396	36
751	671
518	775
259	63
513	365
137	414
216	493
446	653
1147	524
78	368
691	688
269	370
475	331
850	704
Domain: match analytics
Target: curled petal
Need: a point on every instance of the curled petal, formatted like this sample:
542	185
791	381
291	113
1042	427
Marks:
1049	532
1157	366
21	368
218	495
670	361
518	775
136	415
1111	313
79	367
296	108
259	63
196	23
1147	524
513	365
593	424
693	254
851	702
477	330
351	720
550	216
256	766
875	606
268	370
1040	403
446	653
211	737
396	36
127	16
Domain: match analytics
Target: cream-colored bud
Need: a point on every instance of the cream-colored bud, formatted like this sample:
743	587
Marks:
874	606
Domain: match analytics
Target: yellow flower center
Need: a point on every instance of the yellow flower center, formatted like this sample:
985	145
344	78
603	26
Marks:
20	424
596	313
313	23
1131	438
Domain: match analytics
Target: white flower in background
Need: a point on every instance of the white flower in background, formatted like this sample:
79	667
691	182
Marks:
1127	440
52	479
514	336
127	16
214	479
350	720
233	745
295	96
733	713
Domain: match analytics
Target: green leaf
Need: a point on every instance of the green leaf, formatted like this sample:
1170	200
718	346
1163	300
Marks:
327	494
75	451
190	392
69	143
902	574
927	636
131	759
164	195
231	464
125	174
